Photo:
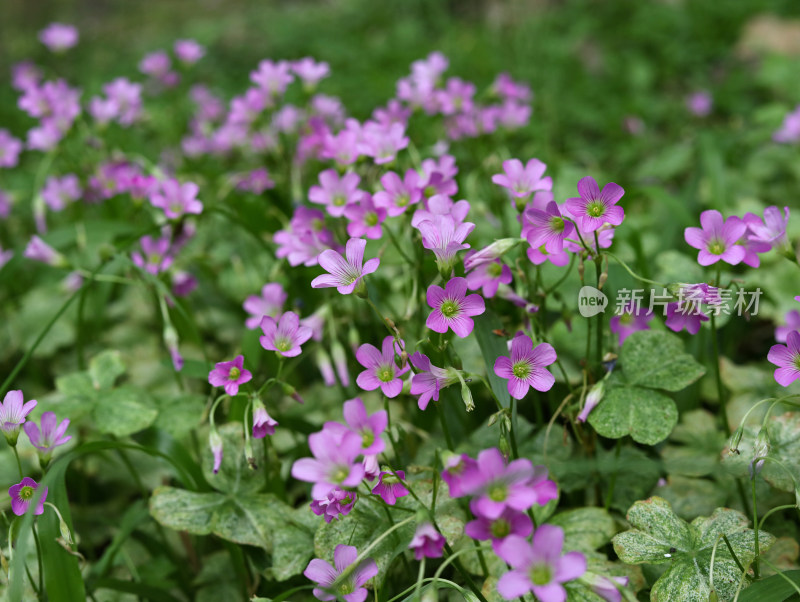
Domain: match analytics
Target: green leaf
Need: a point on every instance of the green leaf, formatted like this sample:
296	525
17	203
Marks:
585	529
774	589
658	536
656	359
691	498
646	415
123	411
179	415
104	369
235	475
702	441
492	347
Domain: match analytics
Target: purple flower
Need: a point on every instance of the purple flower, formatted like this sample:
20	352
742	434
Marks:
51	434
310	71
59	37
183	283
58	192
126	99
5	256
497	486
488	277
334	463
335	192
38	250
155	64
381	369
397	195
607	587
337	503
594	208
346	274
769	231
368	427
792	323
453	308
547	228
521	180
365	218
594	397
790	128
428	380
155	256
539	566
255	181
305	239
343	579
787	358
445	238
699	103
188	51
510	522
12	414
230	375
263	423
285	335
633	318
382	142
10	148
22	494
526	367
25	75
455	467
717	239
271	77
269	303
440	205
177	199
390	487
538	256
427	542
215	443
683	315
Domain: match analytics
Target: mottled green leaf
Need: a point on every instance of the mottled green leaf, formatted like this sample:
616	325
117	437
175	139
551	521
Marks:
235	475
123	411
702	442
646	415
179	415
690	497
655	359
185	510
585	529
104	369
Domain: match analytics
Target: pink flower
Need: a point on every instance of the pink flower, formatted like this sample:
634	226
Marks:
539	567
428	380
683	315
538	256
632	319
51	434
787	358
367	426
445	238
497	486
594	208
365	218
269	303
59	37
22	494
381	369
391	487
397	195
427	542
38	250
488	277
215	443
310	71
58	192
382	142
593	398
12	414
526	367
263	423
155	64
336	504
547	228
453	308
717	239
521	180
230	375
789	131
10	148
455	467
335	192
699	103
343	579
188	51
346	274
177	199
792	323
769	231
334	462
273	78
305	239
510	522
155	256
285	335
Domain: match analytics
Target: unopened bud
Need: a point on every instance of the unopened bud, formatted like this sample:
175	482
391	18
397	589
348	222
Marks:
602	280
466	396
291	392
340	362
736	438
505	449
248	454
494	251
325	367
712	596
760	450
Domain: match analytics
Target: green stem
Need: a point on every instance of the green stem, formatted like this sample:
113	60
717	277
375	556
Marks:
773	510
561	280
420	577
397	246
755	528
632	273
19	463
720	391
447	437
733	554
780	572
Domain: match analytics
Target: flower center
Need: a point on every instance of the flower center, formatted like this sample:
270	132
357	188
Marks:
176	208
234	373
386	374
340	475
626	318
283	343
430	191
541	574
402	200
346	588
338	200
716	247
449	309
595	209
317	224
26	492
521	369
498	492
797	361
371	218
557	224
500	528
367	438
494	270
154	258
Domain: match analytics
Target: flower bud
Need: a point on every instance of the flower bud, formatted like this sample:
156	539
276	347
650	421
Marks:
215	442
466	396
505	448
248	453
736	438
494	251
760	450
594	397
325	367
291	392
340	362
